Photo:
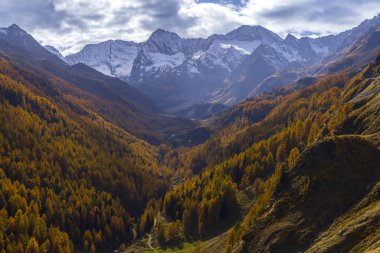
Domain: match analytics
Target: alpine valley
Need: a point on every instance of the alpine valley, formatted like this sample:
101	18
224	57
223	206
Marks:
243	142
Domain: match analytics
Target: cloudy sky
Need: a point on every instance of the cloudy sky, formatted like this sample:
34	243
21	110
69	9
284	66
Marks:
70	24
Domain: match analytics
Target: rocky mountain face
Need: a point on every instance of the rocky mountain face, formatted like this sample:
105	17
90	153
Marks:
178	73
55	51
15	40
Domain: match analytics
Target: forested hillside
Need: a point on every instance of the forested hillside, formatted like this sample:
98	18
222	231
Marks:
71	180
68	177
305	157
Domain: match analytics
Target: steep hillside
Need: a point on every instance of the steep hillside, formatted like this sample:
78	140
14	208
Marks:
362	52
327	201
70	179
306	159
324	184
356	231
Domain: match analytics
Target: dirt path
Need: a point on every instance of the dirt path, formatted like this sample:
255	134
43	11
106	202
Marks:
150	243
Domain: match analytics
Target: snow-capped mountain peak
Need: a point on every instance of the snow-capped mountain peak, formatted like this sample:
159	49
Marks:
250	33
291	41
163	35
164	42
113	57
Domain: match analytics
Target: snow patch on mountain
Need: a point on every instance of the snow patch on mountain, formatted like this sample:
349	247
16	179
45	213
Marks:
245	47
318	48
226	54
113	58
162	62
289	53
191	68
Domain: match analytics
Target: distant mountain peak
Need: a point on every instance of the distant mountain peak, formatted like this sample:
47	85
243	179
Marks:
15	28
250	28
109	43
249	33
17	36
290	37
164	42
160	34
160	30
245	30
291	40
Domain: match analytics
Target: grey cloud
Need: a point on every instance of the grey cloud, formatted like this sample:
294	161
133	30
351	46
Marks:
309	33
161	8
95	17
164	14
305	17
238	3
326	11
122	16
39	14
156	14
333	14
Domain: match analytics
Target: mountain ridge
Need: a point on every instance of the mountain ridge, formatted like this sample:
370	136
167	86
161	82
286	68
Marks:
180	72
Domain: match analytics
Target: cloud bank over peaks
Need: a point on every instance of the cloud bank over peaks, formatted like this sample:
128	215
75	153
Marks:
70	24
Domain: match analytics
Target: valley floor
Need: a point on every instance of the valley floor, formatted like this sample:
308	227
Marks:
148	243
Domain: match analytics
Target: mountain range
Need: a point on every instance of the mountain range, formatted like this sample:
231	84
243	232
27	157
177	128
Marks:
179	73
